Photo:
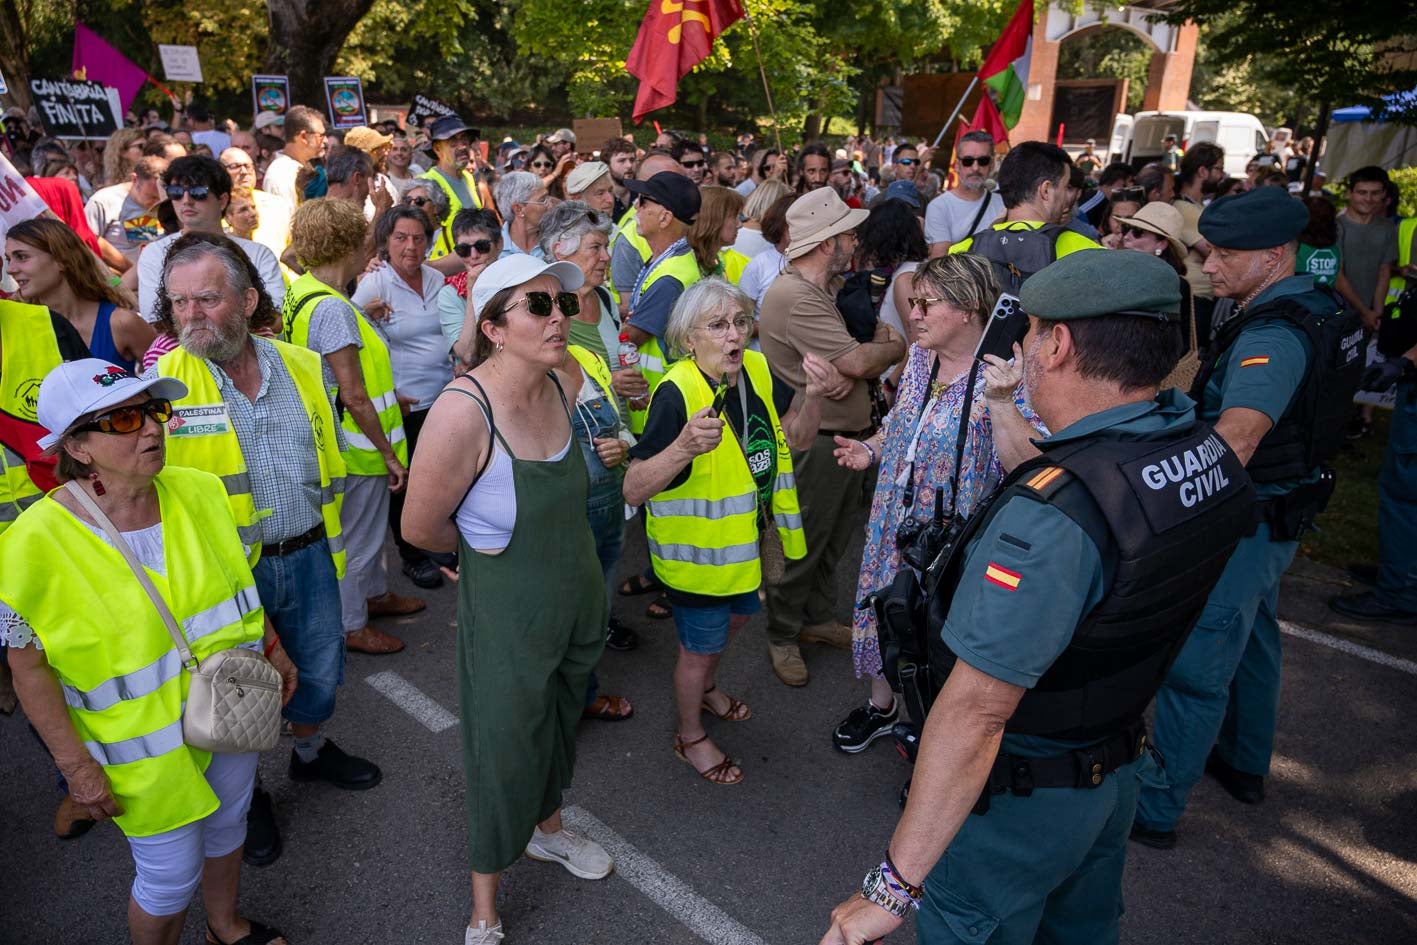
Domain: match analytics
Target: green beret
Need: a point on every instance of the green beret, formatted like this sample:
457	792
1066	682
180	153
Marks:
1258	219
1093	282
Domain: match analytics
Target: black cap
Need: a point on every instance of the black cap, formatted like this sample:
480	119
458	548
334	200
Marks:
673	191
450	126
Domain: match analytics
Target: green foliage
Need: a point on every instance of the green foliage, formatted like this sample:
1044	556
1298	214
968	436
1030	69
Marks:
1406	180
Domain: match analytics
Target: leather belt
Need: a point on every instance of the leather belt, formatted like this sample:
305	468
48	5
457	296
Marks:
849	434
289	545
1084	767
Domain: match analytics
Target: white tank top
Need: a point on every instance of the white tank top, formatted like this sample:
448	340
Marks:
488	513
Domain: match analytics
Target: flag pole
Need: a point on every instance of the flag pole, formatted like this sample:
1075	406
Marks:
753	30
951	120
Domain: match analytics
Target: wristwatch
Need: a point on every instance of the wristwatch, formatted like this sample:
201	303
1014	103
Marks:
874	889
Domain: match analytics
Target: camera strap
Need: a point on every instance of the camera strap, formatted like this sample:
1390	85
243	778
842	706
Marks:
966	409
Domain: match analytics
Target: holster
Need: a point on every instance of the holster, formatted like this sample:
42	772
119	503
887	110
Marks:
1290	515
1083	768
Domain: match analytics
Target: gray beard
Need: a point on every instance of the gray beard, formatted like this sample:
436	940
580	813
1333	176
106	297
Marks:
215	344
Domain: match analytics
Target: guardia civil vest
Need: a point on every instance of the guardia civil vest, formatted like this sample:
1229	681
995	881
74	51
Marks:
28	351
1165	512
598	370
653	361
445	242
626	231
119	671
200	435
703	534
1406	229
360	456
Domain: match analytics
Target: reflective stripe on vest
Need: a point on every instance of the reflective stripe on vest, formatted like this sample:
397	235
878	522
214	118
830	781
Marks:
361	458
444	244
220	454
109	649
703	534
28	352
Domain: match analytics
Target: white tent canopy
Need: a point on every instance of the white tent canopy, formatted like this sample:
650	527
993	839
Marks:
1356	139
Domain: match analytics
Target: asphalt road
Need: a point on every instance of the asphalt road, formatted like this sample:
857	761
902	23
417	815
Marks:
1331	856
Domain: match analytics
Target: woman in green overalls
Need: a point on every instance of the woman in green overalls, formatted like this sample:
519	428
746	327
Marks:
498	477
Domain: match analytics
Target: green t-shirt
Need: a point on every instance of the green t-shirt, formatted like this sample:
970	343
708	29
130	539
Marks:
1320	262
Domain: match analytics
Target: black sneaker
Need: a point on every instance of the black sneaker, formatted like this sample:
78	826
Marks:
424	573
1245	787
1364	573
621	637
1156	839
1357	428
864	725
333	765
263	845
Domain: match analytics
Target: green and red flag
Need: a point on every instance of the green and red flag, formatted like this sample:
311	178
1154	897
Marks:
1005	69
676	35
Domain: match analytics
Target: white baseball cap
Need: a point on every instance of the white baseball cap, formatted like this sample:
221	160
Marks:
511	271
77	388
584	175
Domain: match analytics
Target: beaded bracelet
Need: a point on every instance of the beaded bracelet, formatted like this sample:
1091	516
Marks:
869	452
896	881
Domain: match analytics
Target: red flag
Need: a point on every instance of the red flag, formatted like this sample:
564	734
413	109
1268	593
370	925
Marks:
987	118
676	35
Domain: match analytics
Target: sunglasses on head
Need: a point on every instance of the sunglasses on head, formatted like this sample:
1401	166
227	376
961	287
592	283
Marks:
984	161
464	250
128	419
175	192
539	303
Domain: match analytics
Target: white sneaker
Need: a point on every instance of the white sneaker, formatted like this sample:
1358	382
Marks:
581	856
482	935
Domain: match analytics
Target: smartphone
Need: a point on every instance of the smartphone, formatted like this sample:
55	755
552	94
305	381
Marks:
1006	327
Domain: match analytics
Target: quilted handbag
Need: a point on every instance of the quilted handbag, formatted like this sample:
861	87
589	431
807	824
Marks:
233	703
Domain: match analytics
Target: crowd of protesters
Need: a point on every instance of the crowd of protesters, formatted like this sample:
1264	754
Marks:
486	352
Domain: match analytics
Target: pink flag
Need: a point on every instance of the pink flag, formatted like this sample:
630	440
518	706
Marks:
107	65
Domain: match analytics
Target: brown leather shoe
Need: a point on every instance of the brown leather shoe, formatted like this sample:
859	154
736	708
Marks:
70	821
372	641
389	604
787	663
829	634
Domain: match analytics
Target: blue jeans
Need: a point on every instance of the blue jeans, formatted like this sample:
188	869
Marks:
301	596
1397	506
605	503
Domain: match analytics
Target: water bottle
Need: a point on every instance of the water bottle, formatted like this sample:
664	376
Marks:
628	354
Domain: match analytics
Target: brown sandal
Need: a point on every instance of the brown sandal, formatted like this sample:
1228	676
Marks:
736	711
718	774
609	709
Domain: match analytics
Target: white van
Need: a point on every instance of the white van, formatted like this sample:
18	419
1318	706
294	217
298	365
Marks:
1239	133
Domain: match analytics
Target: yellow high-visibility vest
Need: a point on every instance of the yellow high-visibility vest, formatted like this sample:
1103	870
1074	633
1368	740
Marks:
445	242
28	352
653	361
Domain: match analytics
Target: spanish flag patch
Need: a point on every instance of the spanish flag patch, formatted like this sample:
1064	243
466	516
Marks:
1003	577
1255	361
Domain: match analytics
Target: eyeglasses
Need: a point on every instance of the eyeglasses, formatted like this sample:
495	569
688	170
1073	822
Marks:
464	250
689	165
539	303
984	161
417	201
239	166
542	164
175	192
316	134
909	161
128	419
718	328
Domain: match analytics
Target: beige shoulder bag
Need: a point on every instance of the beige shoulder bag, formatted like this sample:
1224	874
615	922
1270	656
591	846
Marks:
233	704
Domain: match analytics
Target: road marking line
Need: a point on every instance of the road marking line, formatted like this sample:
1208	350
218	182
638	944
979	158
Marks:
1349	647
663	888
408	697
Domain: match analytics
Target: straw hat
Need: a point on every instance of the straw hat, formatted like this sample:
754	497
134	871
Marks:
1161	219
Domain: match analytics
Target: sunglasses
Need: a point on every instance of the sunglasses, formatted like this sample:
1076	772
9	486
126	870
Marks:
692	164
128	419
541	164
464	250
539	303
199	192
984	161
906	162
922	302
417	201
1129	230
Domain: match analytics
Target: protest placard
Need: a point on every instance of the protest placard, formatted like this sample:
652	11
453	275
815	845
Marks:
18	201
425	107
592	133
69	108
180	63
270	93
4	89
345	95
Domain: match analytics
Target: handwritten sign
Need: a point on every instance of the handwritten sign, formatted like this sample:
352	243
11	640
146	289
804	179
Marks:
69	108
180	63
425	107
18	201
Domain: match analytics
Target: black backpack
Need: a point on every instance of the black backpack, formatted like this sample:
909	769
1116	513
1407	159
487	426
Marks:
1397	331
1018	253
859	301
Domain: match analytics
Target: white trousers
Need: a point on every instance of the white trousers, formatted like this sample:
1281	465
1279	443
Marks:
364	519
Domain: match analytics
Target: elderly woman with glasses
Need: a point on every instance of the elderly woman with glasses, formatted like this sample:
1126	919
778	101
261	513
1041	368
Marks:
949	304
429	199
477	242
499	479
94	664
522	200
713	469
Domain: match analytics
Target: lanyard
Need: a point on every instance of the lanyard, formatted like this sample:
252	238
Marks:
674	247
966	409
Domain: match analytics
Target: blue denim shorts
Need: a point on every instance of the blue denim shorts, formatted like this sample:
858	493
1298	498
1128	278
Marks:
705	629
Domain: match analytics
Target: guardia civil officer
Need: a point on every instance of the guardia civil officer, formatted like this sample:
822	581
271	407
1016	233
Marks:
1273	392
1027	775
